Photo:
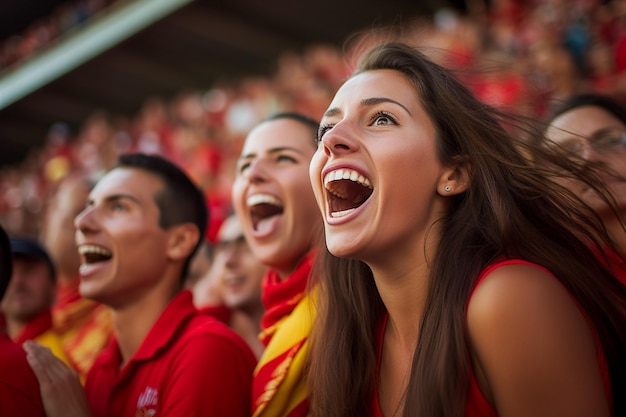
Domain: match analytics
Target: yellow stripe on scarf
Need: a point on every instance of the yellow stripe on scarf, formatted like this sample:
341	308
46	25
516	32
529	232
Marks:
286	388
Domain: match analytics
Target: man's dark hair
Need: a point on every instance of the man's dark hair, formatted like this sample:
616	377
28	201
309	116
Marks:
605	102
181	201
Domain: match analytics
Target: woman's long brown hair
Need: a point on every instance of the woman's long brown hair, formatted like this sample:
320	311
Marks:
512	208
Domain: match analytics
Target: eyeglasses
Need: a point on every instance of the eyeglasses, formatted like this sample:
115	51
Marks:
603	142
235	243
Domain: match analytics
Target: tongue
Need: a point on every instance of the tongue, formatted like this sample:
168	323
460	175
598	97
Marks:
266	226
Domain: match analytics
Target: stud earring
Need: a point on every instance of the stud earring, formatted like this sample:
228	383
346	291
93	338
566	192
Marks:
447	188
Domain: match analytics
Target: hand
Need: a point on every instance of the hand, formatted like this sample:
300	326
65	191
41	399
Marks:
62	393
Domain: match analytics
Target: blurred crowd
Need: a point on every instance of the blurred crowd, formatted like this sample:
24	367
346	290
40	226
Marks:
520	55
46	30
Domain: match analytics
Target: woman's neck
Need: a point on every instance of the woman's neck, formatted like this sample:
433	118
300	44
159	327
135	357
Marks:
404	295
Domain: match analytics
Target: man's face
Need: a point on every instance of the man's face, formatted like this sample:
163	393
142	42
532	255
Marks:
123	249
597	136
242	272
31	290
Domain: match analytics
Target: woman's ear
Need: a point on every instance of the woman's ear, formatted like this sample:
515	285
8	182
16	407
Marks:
455	178
182	241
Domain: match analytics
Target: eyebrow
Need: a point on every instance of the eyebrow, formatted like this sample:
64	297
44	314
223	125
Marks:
115	197
368	102
605	131
272	151
593	135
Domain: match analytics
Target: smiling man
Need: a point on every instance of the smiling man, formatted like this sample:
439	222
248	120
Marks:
142	224
27	303
19	391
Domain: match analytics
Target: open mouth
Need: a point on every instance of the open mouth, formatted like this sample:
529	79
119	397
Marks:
262	208
347	190
234	280
92	254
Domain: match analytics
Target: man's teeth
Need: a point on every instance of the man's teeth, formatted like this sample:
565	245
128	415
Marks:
92	249
233	280
255	199
347	174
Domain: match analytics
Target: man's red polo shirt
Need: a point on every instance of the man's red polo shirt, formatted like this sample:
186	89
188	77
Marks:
19	389
188	365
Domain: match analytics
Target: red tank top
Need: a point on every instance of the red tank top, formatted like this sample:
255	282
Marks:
476	404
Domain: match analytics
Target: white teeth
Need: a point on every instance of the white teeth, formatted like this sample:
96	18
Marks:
346	174
233	280
255	199
341	213
92	249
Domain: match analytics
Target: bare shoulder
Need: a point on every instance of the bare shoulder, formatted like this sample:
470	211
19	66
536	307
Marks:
520	301
517	287
532	347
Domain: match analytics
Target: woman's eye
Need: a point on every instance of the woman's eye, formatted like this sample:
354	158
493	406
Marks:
285	158
383	119
322	130
607	142
242	167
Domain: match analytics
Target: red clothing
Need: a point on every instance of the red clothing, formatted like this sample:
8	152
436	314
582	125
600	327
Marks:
476	404
220	312
618	267
620	54
19	389
36	327
281	297
41	331
189	365
279	388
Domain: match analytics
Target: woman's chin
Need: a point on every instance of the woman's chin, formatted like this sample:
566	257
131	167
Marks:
342	249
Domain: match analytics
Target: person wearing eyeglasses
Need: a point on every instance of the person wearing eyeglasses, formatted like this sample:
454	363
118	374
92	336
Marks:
591	128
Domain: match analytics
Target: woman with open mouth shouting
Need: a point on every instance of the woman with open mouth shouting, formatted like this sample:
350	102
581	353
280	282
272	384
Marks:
273	198
460	279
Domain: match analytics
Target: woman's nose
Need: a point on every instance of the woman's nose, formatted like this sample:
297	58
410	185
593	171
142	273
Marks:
341	138
589	152
256	172
84	220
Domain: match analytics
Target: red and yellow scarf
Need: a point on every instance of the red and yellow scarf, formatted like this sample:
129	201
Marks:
279	387
84	327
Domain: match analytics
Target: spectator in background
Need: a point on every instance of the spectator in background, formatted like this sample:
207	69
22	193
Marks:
592	128
27	303
239	274
84	325
19	390
200	264
141	226
273	199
